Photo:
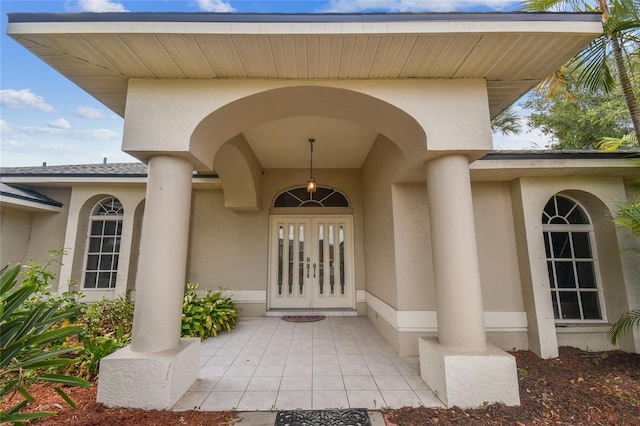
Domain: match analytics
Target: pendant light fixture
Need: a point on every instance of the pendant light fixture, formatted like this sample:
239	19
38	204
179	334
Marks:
311	182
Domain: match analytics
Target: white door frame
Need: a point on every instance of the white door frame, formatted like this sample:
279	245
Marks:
308	295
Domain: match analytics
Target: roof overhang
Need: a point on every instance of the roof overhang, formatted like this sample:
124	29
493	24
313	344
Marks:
100	52
26	199
506	166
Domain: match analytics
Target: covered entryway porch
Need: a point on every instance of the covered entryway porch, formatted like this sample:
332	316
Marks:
426	87
267	363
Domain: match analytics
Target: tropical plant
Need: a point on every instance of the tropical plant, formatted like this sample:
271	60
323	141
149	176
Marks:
579	121
627	217
106	327
96	348
107	316
626	323
205	316
619	41
507	122
33	332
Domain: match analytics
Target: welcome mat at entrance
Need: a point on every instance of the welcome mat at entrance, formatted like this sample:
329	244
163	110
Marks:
303	318
349	417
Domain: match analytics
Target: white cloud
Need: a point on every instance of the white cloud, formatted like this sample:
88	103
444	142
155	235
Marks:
88	112
60	123
104	134
77	134
417	5
5	127
9	143
219	6
23	99
101	6
45	130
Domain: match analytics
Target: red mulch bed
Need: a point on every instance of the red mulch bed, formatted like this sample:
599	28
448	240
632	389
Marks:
578	388
90	413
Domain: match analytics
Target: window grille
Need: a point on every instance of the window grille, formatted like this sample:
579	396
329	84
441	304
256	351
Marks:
576	293
103	245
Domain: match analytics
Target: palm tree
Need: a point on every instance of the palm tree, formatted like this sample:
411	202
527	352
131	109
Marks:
621	25
507	122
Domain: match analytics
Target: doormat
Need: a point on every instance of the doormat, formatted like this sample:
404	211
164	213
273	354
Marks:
303	318
349	417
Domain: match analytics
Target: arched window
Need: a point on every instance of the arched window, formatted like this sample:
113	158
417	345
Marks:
576	292
299	197
103	245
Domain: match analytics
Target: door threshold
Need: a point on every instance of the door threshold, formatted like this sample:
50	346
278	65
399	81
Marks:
325	312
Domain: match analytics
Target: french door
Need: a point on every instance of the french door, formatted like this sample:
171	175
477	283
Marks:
311	262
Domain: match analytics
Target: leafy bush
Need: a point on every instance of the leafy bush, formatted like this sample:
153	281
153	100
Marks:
106	327
108	316
34	332
205	316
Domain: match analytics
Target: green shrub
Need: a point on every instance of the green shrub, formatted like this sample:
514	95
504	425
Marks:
108	317
35	332
106	327
205	316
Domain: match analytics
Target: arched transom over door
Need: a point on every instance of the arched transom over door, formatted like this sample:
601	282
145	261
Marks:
311	256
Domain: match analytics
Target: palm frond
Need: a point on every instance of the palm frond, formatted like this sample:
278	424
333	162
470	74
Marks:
628	217
554	86
609	144
628	321
591	64
507	122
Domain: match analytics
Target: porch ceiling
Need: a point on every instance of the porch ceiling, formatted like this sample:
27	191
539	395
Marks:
101	52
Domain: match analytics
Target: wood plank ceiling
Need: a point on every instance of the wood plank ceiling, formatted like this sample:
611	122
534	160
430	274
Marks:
101	62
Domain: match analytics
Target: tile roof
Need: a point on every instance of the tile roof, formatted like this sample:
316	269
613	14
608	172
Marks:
109	169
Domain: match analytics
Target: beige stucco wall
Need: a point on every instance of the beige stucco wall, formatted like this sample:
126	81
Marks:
15	226
378	174
28	236
187	116
497	253
412	242
226	249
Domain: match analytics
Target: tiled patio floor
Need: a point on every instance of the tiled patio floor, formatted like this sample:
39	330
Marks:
267	363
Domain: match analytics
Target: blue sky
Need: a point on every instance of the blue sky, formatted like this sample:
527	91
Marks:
45	117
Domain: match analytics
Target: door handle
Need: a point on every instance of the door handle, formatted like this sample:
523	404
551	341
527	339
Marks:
314	270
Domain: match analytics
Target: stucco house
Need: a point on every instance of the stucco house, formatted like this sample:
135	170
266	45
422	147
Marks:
453	251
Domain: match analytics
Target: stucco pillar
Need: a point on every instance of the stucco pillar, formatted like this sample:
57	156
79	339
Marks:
455	255
163	255
159	366
460	367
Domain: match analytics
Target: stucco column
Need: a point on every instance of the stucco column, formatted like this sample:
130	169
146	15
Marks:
455	255
163	255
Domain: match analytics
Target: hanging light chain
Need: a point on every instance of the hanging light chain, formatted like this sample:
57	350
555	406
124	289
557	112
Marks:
311	182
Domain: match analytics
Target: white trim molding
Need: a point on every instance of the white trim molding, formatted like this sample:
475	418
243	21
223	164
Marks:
246	296
426	321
